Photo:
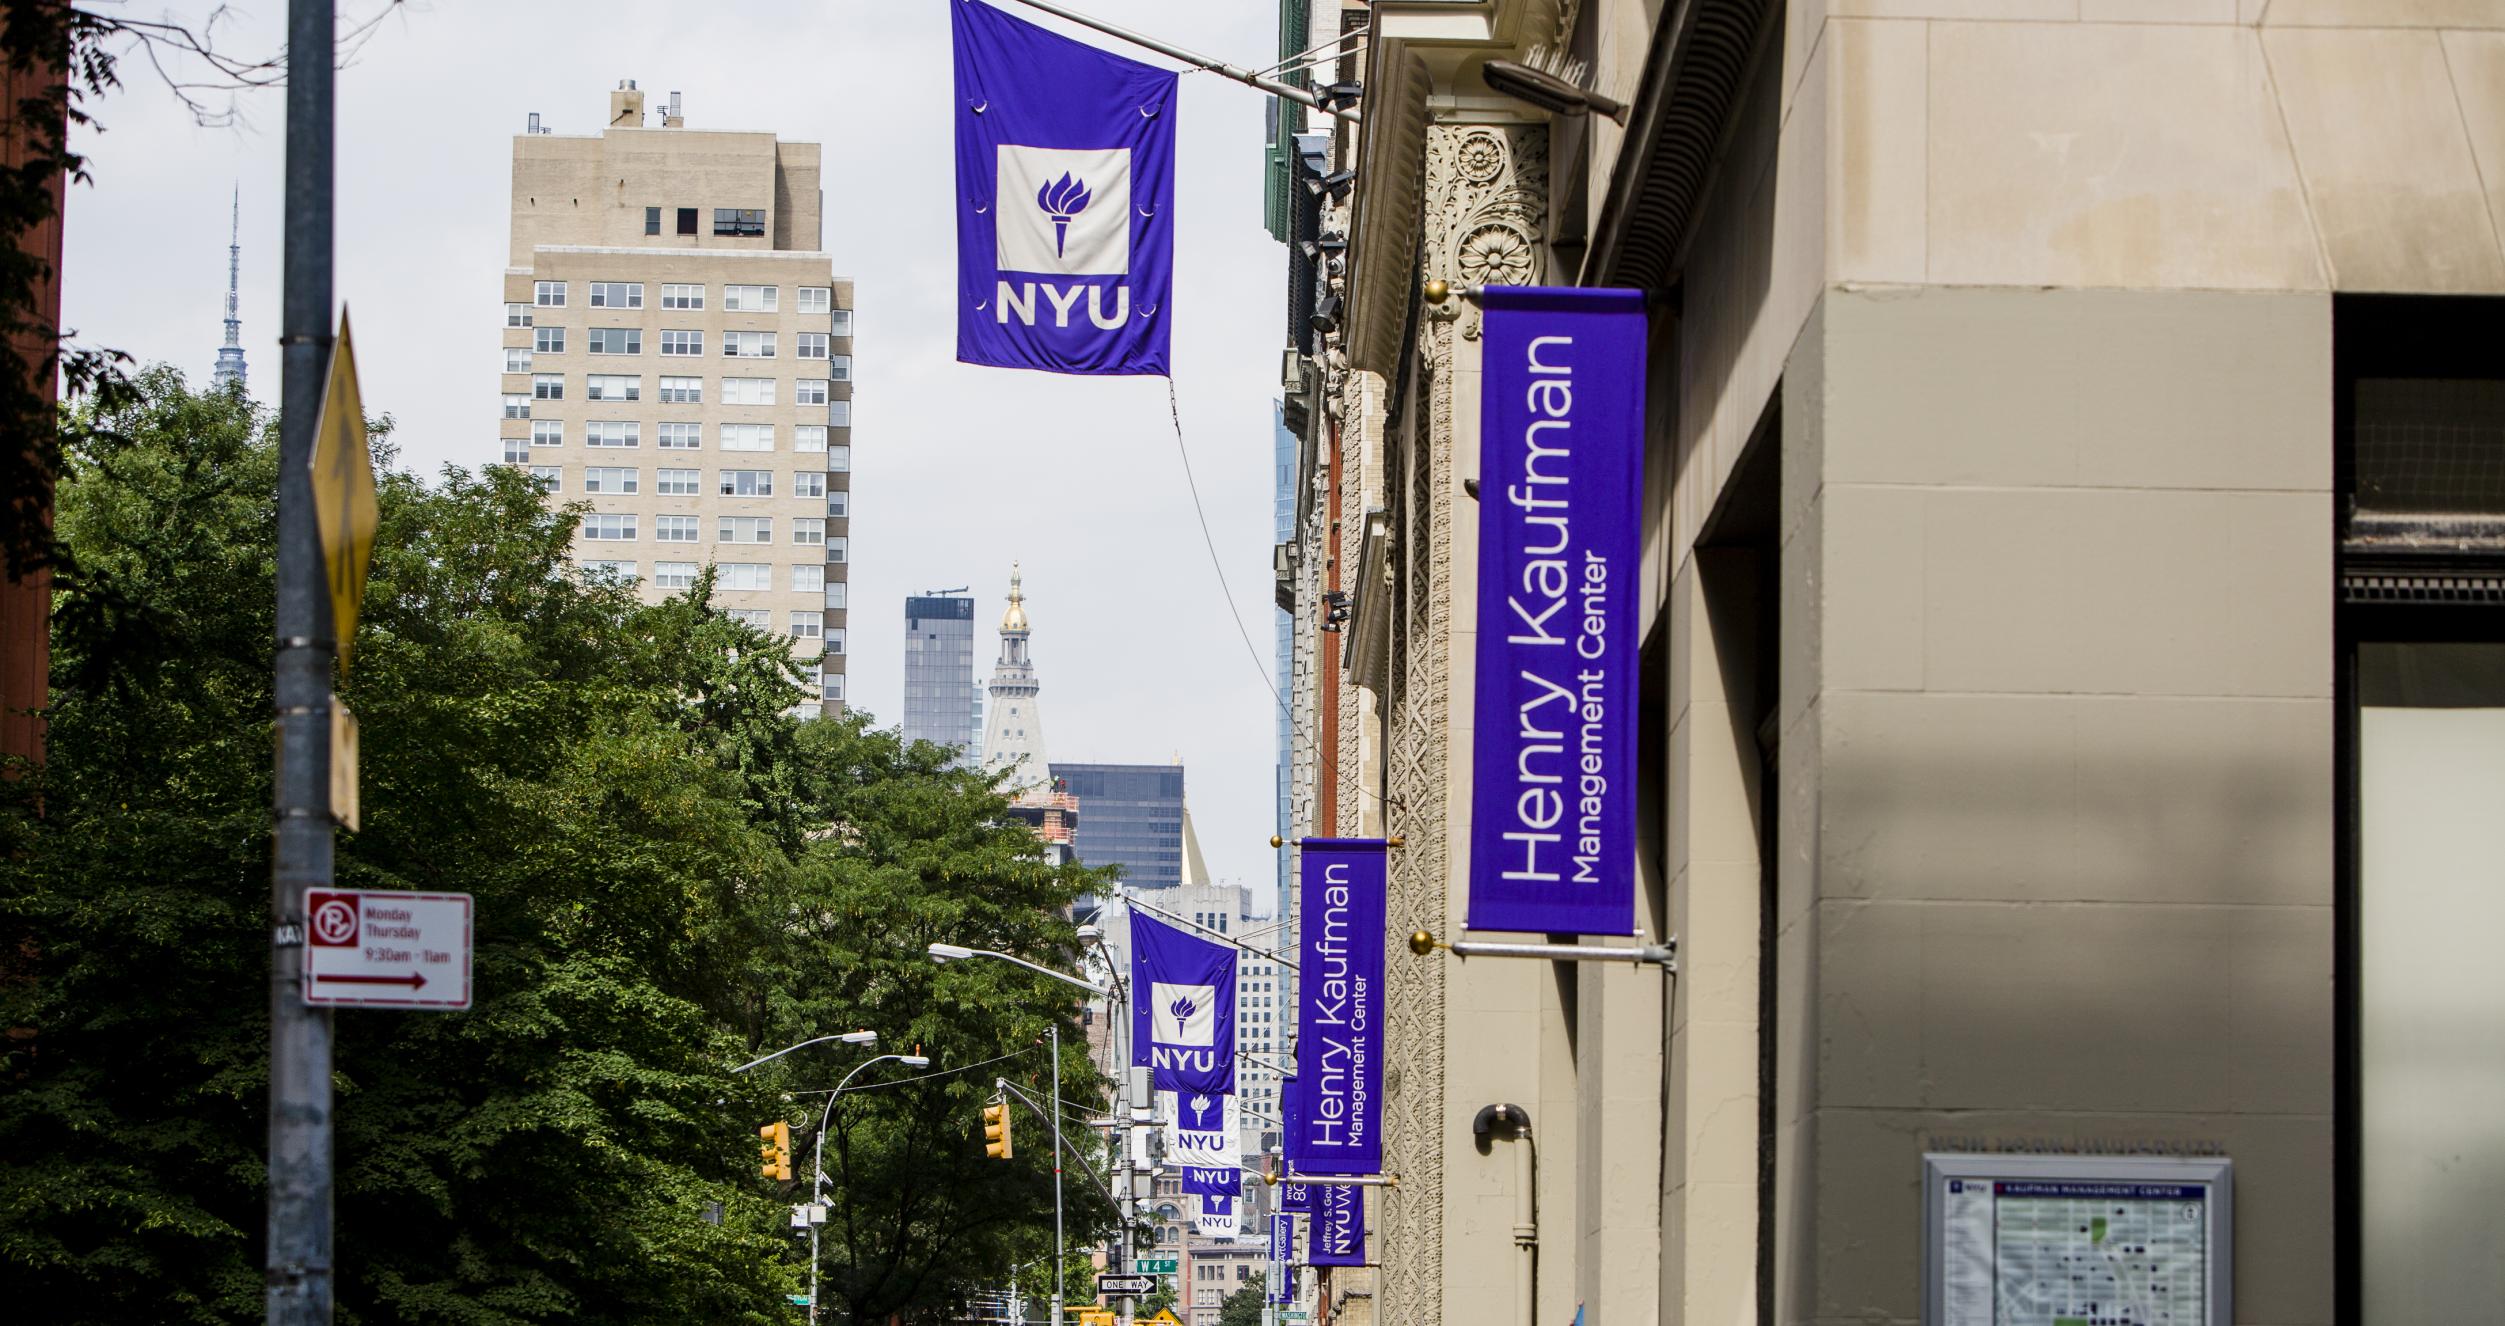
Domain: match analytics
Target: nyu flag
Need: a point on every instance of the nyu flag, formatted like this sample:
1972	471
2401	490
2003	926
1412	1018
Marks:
1183	1006
1339	1226
1203	1142
1295	1197
1336	1126
1217	1216
1282	1278
1065	201
1561	464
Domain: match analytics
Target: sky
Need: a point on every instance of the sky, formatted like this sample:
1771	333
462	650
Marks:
957	470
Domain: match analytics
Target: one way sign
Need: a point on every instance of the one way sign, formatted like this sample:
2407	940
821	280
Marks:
1118	1286
382	948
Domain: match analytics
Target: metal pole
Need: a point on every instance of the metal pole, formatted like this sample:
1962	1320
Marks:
817	1186
297	1268
1192	58
1060	1260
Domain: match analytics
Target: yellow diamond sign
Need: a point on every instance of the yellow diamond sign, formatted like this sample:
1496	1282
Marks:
343	491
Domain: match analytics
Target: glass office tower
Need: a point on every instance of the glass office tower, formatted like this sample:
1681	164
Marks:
1130	815
939	671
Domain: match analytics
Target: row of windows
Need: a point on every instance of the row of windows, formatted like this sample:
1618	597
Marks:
621	527
807	484
746	221
805	577
674	390
679	344
623	433
735	299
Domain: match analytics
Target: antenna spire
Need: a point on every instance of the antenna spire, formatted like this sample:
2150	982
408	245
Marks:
230	370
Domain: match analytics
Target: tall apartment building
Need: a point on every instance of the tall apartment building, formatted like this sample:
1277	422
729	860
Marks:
678	354
940	704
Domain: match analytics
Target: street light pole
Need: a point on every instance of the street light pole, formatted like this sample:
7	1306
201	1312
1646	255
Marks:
817	1163
1060	1258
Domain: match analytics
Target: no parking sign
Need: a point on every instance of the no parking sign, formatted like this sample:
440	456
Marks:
386	949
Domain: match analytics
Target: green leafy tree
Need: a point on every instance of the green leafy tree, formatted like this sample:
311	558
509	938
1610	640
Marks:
1243	1307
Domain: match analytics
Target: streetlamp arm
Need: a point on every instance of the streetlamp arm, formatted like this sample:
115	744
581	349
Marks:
1039	969
816	1040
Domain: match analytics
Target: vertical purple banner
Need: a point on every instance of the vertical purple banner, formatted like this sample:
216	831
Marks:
1561	471
1339	1226
1337	1124
1294	1197
1282	1279
1183	1022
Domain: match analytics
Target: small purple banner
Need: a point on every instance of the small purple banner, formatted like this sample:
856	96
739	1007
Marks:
1282	1280
1212	1181
1339	1226
1561	472
1336	1125
1183	1021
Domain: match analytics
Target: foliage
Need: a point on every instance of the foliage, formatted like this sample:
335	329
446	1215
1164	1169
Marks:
1243	1307
673	875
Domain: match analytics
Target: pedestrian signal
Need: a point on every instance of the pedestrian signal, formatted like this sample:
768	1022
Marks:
996	1130
774	1159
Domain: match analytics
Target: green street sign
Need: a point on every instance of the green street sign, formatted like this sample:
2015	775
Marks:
798	1300
1291	1314
1157	1265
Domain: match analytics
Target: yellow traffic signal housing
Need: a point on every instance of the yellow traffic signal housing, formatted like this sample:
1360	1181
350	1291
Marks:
775	1157
996	1130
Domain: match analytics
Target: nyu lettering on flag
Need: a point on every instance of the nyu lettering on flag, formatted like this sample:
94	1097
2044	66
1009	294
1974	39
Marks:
1339	1226
1217	1216
1561	464
1203	1141
1065	201
1183	1023
1336	1124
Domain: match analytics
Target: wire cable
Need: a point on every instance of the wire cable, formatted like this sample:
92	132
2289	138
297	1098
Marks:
1174	405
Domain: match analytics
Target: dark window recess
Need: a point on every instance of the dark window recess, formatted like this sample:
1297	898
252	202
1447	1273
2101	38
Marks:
2419	407
652	220
739	220
687	220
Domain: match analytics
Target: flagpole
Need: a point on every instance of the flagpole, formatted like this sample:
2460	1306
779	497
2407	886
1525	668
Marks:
1193	58
1264	954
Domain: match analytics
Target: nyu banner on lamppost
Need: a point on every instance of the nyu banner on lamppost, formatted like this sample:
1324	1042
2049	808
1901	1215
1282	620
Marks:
1183	1023
1336	1125
1065	201
1339	1226
1203	1142
1282	1279
1561	466
1218	1218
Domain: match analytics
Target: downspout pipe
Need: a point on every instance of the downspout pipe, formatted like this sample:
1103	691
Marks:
1516	1121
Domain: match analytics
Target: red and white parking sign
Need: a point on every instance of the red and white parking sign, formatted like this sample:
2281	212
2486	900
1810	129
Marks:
383	948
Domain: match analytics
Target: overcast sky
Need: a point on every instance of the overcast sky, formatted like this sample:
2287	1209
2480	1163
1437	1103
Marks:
957	470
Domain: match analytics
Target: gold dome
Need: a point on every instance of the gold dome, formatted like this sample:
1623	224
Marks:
1015	618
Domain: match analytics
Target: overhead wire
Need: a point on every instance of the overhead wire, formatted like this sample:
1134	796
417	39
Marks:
1174	406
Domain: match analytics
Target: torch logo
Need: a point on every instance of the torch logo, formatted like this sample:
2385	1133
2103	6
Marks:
1080	224
1183	1014
1062	200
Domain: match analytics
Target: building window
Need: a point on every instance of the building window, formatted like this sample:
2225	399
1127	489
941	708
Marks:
816	298
547	386
548	340
517	359
674	529
608	479
517	406
812	345
748	345
809	391
652	220
839	322
682	342
548	294
840	368
516	450
682	391
806	625
834	593
550	478
687	220
613	433
750	298
547	432
745	576
839	413
681	437
744	529
809	483
753	618
747	483
747	437
747	391
835	551
831	683
677	483
835	641
616	341
674	575
617	294
739	220
682	296
839	504
517	315
839	459
613	387
808	530
609	568
808	577
809	437
609	525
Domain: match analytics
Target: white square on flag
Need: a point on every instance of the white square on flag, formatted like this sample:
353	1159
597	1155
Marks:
1062	211
1183	1014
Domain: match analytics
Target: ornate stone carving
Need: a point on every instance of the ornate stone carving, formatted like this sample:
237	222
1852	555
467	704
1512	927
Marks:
1486	206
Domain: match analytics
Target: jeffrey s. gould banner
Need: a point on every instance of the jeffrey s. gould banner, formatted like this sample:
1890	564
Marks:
1337	1125
1561	469
1339	1227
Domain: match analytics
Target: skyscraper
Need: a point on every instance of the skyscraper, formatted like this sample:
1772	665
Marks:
939	670
1131	815
665	292
230	370
1014	736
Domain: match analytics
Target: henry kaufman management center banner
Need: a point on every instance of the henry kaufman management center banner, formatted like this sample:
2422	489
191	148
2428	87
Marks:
1065	201
1336	1126
1552	814
1203	1141
1339	1227
1183	1022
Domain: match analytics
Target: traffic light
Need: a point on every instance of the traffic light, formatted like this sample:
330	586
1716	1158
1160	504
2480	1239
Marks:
774	1159
996	1130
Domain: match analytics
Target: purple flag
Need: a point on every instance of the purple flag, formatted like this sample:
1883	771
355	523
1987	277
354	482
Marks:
1561	469
1339	1226
1293	1197
1336	1125
1183	1009
1065	201
1282	1280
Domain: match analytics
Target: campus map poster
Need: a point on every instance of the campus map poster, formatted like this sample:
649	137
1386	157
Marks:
2077	1241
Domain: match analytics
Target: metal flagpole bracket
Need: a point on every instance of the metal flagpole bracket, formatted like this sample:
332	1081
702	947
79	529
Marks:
1439	290
1334	1180
1664	955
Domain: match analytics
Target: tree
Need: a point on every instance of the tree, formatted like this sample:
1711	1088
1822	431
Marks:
671	871
1243	1307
